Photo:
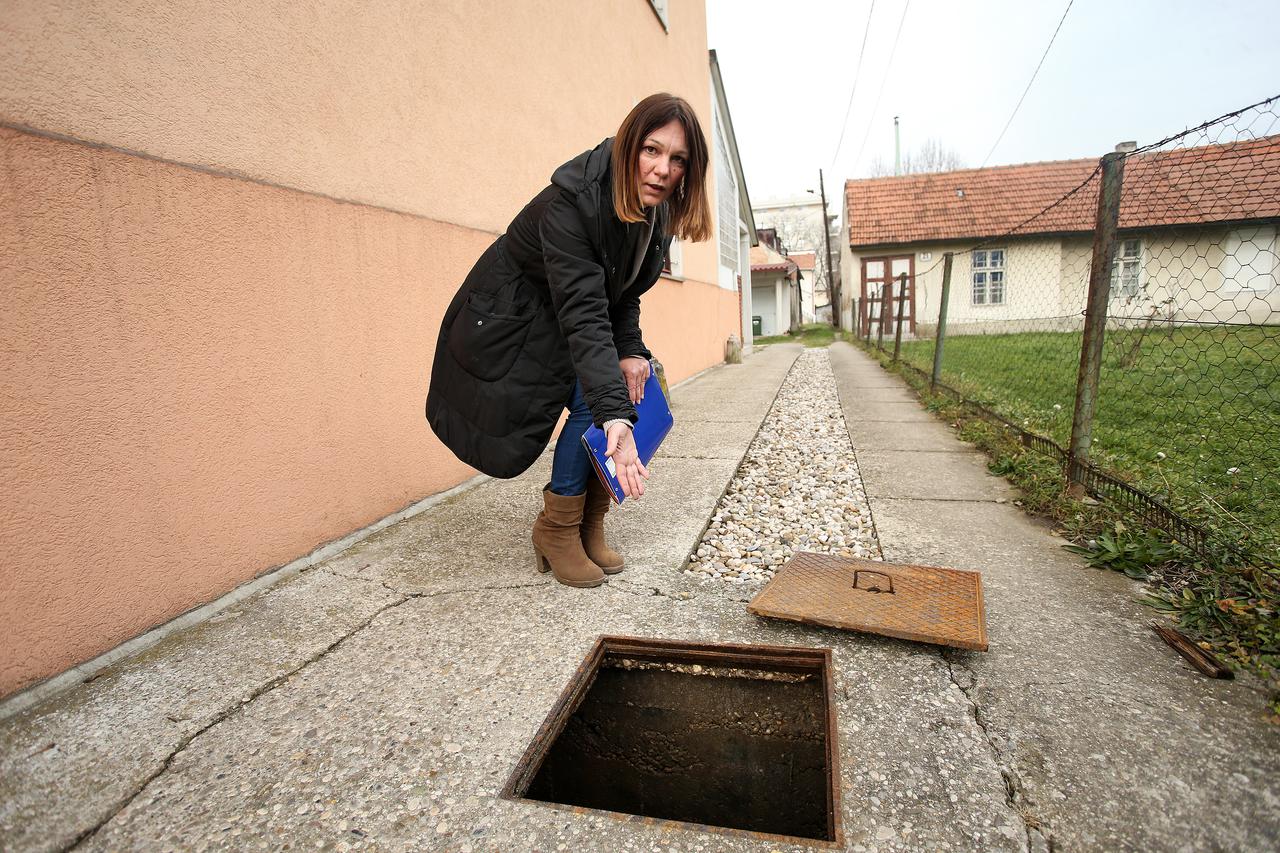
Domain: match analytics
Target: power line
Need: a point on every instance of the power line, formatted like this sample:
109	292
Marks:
888	68
1029	82
856	71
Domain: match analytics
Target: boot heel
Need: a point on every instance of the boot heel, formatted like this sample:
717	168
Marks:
543	565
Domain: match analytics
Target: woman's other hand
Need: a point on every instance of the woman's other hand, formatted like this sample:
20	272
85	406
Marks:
626	460
635	370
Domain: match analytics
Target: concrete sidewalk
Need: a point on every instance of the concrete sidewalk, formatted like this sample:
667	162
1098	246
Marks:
380	700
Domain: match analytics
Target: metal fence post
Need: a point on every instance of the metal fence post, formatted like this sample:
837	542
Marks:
897	332
886	300
1095	321
942	322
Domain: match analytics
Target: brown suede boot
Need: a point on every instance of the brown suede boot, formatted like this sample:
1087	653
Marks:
557	543
593	513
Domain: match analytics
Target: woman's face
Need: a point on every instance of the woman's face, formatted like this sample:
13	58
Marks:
664	157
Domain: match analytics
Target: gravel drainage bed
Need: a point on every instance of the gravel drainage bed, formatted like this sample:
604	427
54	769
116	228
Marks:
798	487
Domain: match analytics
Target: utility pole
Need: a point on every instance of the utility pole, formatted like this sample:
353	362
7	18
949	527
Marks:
833	286
897	149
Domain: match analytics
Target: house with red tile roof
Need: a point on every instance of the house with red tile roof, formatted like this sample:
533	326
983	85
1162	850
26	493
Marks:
1196	242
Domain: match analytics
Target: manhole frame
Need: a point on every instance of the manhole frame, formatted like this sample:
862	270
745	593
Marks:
729	655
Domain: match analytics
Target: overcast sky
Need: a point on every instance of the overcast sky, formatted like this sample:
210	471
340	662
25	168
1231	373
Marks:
1138	70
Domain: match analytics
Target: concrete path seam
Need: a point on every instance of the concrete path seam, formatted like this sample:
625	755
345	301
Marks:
941	500
270	685
226	714
1015	796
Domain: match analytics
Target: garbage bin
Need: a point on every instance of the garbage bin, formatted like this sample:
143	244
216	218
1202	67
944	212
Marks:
757	327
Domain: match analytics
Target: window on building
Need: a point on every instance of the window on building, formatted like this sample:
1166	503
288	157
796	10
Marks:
1126	270
660	9
1250	262
988	277
726	203
673	260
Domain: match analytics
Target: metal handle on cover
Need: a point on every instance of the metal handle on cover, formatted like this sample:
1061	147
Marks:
886	576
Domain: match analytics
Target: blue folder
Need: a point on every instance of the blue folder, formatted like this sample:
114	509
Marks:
649	431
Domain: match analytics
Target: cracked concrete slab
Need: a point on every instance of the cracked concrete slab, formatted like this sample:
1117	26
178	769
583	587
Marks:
68	763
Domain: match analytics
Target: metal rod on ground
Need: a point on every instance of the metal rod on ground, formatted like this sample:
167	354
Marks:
1095	321
897	331
886	311
942	322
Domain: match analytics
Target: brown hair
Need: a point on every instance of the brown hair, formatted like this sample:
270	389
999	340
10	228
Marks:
690	212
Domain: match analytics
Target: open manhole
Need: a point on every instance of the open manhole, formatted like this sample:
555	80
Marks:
730	738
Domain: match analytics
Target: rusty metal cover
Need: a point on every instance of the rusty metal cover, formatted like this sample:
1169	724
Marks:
922	603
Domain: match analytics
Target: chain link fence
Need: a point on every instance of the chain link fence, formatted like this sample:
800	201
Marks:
1131	327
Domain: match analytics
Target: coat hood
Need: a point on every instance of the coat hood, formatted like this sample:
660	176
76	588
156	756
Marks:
587	168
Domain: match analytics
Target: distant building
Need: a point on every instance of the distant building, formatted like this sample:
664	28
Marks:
798	222
1196	243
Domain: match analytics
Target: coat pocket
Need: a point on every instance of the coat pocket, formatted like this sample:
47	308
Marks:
487	335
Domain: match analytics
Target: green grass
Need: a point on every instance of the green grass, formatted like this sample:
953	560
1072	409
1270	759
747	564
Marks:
811	335
1231	609
1176	412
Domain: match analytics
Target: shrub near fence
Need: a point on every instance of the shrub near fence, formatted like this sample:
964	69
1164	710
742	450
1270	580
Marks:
1175	388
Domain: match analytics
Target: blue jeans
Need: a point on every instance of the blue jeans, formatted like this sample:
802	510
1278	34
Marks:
571	466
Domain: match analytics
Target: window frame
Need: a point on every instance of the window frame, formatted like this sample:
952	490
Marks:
986	269
1119	260
728	251
1233	284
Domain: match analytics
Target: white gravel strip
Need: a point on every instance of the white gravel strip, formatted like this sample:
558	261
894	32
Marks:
798	488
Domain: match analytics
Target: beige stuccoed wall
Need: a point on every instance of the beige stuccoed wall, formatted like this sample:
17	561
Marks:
222	287
393	104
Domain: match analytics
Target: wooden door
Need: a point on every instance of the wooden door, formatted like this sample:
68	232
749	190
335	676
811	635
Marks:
875	272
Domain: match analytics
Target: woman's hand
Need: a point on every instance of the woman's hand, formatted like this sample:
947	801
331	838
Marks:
635	370
626	460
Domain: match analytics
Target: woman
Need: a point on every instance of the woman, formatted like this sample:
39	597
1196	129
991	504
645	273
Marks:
549	318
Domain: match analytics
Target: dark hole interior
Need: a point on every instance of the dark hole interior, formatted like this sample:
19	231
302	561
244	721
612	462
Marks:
732	748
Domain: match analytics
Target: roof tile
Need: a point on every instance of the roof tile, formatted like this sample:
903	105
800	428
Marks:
1213	183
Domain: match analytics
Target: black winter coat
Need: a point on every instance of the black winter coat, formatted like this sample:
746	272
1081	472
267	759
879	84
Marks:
545	304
